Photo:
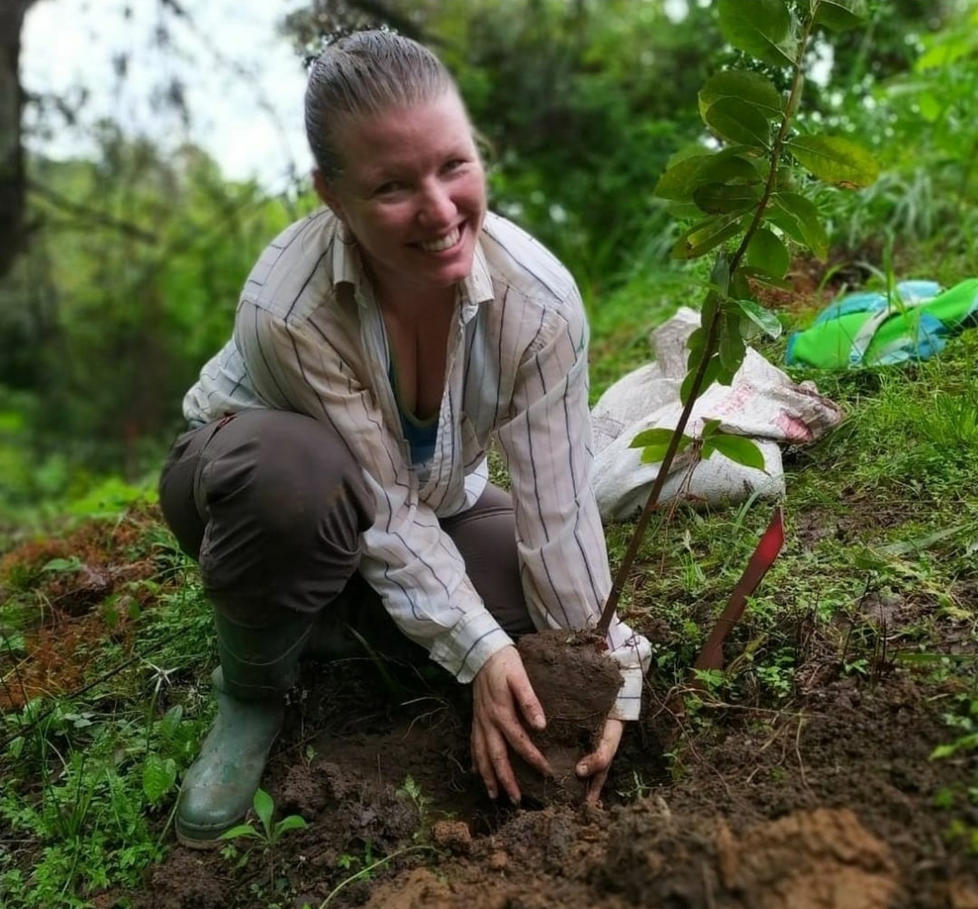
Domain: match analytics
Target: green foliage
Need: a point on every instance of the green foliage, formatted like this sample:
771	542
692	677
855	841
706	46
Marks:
268	834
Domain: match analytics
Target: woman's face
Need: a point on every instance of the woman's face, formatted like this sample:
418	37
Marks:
412	192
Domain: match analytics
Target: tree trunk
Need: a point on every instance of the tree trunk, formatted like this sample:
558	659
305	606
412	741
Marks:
11	153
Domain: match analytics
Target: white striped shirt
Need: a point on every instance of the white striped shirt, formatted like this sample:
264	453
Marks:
309	337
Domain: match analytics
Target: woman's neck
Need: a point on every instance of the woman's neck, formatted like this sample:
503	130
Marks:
410	304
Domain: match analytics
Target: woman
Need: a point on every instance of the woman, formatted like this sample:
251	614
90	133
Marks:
336	458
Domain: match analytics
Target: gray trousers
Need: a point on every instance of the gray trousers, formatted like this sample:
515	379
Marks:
272	504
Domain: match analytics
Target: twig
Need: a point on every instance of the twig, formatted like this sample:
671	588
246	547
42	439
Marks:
365	871
801	763
92	215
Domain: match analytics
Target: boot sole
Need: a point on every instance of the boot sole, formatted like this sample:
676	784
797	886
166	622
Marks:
200	842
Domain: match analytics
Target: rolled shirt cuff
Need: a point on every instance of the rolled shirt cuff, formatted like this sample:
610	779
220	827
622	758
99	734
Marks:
628	703
465	647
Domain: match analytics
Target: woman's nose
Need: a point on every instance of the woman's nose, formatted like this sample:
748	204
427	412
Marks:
437	205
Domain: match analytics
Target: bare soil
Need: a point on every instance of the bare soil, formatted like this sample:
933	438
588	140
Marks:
829	799
827	804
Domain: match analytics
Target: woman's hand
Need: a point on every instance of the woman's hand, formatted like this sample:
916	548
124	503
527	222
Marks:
499	687
597	764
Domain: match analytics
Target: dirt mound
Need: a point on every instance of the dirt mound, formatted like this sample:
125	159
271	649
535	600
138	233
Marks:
646	856
63	597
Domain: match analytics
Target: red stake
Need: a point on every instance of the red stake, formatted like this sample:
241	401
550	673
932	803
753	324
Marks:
711	656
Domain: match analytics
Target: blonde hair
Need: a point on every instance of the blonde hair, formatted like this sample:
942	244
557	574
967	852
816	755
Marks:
365	74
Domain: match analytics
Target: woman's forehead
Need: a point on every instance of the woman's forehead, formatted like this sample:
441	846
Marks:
405	136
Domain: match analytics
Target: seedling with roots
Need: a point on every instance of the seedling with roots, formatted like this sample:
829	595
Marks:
746	188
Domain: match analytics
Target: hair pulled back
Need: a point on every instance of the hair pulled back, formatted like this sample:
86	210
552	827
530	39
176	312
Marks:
361	75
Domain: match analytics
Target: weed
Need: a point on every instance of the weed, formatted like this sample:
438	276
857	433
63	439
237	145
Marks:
268	834
411	791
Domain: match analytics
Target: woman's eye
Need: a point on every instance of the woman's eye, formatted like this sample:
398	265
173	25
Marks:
388	188
454	164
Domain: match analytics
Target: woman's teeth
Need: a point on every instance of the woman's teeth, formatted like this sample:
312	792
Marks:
446	242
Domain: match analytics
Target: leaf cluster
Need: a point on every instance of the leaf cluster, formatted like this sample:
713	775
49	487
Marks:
749	185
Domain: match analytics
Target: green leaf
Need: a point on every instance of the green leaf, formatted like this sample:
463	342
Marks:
682	178
835	160
720	278
292	822
64	565
732	347
930	106
762	28
655	454
798	217
679	181
718	198
737	121
171	721
841	15
766	251
739	285
694	344
945	51
240	830
710	428
712	371
651	437
158	777
738	449
752	88
657	444
264	807
763	318
706	235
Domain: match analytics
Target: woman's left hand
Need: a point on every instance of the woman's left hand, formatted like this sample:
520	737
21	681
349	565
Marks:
597	764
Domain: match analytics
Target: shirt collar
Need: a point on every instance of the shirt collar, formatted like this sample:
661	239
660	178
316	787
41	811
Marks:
348	268
347	265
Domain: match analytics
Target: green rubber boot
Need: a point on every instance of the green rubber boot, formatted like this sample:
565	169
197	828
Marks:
258	666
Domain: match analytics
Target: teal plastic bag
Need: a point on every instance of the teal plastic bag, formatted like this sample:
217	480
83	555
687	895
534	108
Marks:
867	329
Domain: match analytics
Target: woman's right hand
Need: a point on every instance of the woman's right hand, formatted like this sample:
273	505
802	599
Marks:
501	694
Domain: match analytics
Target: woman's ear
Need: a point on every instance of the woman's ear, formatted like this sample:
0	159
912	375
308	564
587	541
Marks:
326	193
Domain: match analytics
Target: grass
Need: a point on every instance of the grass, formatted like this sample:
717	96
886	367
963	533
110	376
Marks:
884	506
882	527
90	778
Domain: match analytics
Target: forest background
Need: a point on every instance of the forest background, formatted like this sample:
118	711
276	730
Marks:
121	268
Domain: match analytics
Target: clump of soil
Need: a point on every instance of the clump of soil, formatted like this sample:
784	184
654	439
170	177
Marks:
576	685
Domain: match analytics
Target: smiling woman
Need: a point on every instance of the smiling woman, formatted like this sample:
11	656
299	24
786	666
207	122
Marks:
334	475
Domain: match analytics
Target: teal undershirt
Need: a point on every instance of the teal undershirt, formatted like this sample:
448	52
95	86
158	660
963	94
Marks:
420	434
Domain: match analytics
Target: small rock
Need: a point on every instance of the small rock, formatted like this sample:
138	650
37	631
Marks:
453	835
498	861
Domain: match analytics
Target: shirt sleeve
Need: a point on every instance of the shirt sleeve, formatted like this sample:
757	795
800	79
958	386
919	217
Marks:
406	556
547	445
